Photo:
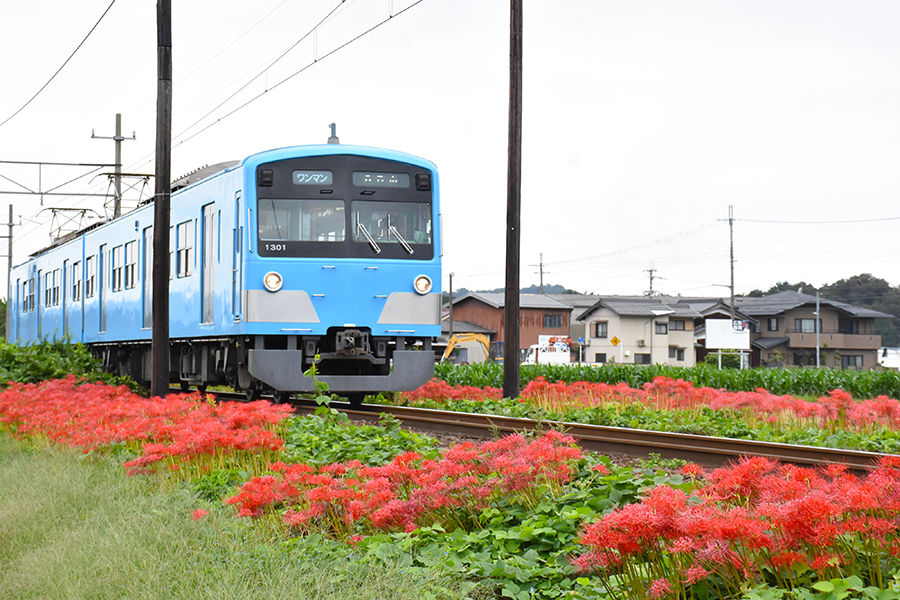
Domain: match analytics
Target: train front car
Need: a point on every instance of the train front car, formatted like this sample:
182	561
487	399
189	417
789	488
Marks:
342	269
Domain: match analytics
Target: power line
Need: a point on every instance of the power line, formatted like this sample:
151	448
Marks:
685	233
63	65
840	222
257	76
289	77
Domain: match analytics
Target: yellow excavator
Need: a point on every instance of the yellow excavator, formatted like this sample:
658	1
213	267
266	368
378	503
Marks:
462	338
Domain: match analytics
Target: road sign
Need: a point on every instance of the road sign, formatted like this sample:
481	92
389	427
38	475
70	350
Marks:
615	341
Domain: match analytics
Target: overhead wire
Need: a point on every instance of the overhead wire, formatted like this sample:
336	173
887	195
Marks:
288	78
331	14
61	67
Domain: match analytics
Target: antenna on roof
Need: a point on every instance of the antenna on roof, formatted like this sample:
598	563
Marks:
334	138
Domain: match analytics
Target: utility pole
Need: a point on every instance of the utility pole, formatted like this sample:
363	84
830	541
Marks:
9	257
731	253
159	379
513	206
818	352
651	271
541	266
117	178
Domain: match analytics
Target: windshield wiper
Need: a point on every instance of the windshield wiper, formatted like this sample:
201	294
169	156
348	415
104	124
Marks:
393	230
367	235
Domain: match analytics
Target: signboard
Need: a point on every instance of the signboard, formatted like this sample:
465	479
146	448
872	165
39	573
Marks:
615	341
727	334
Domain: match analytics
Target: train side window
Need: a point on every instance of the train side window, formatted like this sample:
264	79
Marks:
47	290
130	265
90	277
76	281
117	268
185	248
57	281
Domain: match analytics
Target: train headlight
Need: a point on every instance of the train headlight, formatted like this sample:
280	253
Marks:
422	284
272	281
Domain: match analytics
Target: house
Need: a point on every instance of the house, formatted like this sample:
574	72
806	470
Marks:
708	308
579	304
639	330
788	326
538	315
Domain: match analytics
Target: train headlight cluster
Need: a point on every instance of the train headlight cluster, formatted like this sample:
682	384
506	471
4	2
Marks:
422	284
272	281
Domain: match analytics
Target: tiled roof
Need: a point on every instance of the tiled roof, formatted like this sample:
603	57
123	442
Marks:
641	306
766	343
783	301
576	300
498	300
464	327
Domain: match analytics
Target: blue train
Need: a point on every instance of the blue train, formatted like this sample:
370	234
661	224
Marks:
327	250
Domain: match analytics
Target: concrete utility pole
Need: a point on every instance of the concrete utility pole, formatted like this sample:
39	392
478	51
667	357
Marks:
513	206
159	379
651	271
117	179
731	251
9	290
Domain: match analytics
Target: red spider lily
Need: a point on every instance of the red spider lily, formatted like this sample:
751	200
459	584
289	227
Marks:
410	492
183	433
756	513
836	410
441	391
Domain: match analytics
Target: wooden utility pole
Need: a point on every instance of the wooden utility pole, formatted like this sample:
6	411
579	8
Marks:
159	382
513	206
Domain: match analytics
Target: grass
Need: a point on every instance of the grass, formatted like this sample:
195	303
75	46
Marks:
73	527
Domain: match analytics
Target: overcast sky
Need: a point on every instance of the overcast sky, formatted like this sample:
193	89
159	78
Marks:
643	122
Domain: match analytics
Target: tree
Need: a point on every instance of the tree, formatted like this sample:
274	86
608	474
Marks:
874	293
784	286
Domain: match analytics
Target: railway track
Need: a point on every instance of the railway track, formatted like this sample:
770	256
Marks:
706	450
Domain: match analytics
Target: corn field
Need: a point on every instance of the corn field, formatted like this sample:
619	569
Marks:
796	382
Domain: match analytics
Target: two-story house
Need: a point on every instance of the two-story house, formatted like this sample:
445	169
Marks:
788	326
538	315
639	330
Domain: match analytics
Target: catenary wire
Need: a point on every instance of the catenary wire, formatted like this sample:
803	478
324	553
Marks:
63	65
288	78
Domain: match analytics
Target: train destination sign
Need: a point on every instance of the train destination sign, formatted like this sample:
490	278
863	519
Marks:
313	177
393	180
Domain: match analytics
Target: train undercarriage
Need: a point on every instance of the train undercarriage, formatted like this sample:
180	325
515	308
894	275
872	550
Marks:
351	361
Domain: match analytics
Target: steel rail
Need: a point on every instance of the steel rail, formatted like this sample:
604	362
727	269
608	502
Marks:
706	450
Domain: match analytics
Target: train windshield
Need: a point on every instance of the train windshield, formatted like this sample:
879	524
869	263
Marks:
406	224
292	220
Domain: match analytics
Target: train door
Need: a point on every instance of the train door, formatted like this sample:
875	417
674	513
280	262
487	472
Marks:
236	264
207	270
39	311
101	289
15	308
63	303
147	274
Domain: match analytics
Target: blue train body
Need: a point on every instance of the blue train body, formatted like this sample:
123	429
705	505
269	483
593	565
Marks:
294	253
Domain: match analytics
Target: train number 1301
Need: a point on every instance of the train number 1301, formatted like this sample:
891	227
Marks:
275	247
